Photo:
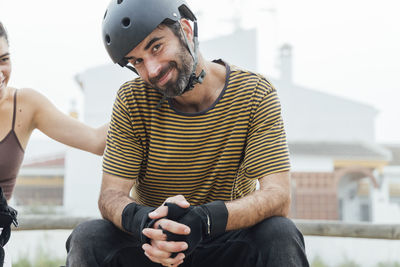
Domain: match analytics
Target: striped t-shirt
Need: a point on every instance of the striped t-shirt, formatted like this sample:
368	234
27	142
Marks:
216	154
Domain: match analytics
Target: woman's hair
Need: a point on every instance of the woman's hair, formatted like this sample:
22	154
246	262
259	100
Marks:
3	32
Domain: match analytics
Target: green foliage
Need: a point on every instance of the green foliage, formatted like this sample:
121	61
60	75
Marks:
349	263
318	262
346	262
41	259
388	264
22	262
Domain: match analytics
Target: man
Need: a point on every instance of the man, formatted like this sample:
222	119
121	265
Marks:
188	141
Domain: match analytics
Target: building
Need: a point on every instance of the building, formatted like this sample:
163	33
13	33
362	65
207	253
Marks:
336	164
40	182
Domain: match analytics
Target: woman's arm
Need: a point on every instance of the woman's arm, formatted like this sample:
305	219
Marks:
63	128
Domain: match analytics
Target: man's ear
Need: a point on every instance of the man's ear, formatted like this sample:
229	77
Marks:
187	28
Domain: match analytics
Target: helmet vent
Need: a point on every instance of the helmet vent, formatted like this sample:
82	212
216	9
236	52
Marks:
119	1
108	39
105	14
126	22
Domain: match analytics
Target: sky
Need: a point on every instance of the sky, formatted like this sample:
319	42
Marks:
349	48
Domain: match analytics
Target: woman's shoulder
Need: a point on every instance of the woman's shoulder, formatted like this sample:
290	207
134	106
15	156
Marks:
27	92
30	95
31	99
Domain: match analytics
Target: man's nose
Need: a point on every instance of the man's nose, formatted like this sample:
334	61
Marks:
153	68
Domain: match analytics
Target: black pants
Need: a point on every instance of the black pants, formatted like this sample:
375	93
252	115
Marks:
274	242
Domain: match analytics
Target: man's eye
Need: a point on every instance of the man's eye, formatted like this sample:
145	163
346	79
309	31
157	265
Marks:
137	61
156	47
5	59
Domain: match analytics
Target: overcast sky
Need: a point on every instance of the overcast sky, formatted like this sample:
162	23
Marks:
349	48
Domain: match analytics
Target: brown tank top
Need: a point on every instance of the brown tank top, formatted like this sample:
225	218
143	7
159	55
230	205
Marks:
11	156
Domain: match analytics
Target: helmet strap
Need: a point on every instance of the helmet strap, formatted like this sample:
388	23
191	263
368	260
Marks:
193	79
132	69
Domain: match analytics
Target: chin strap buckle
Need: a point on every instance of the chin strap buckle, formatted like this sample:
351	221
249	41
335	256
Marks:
200	78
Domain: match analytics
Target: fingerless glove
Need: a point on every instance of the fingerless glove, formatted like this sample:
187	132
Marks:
206	220
135	218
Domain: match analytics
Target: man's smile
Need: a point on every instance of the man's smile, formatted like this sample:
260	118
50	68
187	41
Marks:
165	78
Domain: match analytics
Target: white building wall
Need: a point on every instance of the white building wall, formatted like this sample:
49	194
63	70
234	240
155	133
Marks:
313	116
100	86
308	115
83	171
383	210
82	183
301	163
351	202
239	48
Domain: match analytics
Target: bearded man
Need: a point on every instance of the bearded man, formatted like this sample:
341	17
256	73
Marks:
188	141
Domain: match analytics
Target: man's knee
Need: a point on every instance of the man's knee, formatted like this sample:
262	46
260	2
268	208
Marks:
86	233
280	242
91	242
276	229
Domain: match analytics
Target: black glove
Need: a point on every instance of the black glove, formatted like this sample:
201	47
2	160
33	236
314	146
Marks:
135	218
206	220
8	215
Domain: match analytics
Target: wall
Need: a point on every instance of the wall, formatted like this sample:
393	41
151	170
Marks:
83	171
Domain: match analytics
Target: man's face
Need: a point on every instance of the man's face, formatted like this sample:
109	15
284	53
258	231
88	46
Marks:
163	61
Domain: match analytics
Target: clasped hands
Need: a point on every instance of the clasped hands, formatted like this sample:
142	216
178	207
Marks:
175	229
160	250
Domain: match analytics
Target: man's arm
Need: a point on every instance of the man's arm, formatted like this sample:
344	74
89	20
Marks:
114	196
272	199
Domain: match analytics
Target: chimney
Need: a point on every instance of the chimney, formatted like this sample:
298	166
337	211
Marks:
286	63
73	111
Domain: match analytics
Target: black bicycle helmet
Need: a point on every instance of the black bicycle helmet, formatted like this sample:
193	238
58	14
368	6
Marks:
127	22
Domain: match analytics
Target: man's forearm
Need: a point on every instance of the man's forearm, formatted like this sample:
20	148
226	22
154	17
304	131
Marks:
111	204
273	199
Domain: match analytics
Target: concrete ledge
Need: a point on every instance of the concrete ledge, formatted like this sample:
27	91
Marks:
49	222
307	227
342	229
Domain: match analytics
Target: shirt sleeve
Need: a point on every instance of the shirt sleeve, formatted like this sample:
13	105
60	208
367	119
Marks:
266	150
124	153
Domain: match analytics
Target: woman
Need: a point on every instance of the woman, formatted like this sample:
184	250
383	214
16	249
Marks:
22	111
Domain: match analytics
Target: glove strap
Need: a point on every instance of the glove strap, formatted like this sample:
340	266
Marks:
217	217
135	218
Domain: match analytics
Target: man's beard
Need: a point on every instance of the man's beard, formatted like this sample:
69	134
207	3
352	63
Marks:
175	88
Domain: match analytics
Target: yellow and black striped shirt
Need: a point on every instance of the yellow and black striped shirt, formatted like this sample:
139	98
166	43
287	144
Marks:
216	154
